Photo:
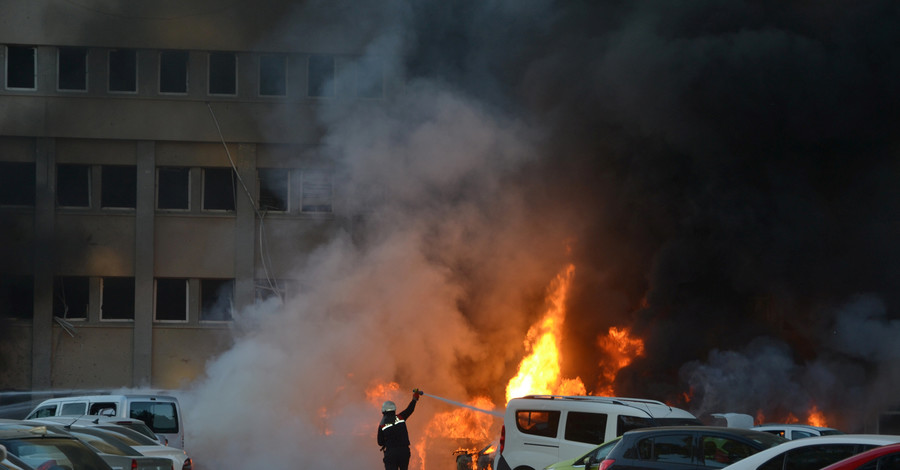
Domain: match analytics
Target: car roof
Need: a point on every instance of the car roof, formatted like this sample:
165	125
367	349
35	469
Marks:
718	429
856	460
793	426
652	408
755	460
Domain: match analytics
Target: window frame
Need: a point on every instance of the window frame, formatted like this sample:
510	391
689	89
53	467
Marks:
103	188
58	283
187	301
204	184
205	307
305	181
26	174
88	171
209	73
103	318
282	81
287	189
34	67
59	53
160	169
187	71
109	71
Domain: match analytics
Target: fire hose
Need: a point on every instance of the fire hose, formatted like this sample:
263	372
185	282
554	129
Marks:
463	405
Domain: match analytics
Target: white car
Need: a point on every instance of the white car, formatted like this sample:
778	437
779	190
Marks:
796	431
812	452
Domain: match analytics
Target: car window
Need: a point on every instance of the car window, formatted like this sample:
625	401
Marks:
719	452
887	462
103	409
64	451
673	448
538	423
586	427
627	423
162	417
795	434
818	456
43	412
73	409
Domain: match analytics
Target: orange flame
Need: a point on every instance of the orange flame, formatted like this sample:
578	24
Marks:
816	417
539	371
621	350
460	425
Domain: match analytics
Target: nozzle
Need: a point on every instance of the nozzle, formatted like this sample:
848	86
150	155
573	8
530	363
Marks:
418	392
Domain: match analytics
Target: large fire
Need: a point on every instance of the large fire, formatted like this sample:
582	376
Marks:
539	371
620	349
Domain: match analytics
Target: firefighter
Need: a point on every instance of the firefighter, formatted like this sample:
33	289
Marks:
392	435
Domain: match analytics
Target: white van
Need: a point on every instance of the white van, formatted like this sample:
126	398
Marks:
539	430
162	413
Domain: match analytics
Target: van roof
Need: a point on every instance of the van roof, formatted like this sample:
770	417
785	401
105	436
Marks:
654	408
112	397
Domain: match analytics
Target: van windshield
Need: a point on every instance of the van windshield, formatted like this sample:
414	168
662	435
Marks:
161	417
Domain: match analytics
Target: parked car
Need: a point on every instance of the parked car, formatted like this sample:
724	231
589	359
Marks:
685	447
149	447
43	448
133	424
880	458
595	456
796	431
162	413
541	429
812	453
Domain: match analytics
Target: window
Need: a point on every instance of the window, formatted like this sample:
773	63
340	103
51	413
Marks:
627	423
586	427
273	189
321	76
73	185
161	417
222	73
21	67
117	298
173	188
43	412
118	186
316	191
73	409
17	184
173	71
71	71
719	452
123	70
71	295
671	449
171	300
216	299
17	297
218	189
370	81
813	457
538	423
272	75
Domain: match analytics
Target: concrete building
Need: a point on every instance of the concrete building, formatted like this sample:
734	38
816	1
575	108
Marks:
153	158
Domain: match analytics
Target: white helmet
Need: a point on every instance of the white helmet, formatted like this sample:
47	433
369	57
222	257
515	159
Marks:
388	406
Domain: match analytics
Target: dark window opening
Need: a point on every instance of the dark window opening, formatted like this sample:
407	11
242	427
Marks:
316	191
173	188
73	185
216	299
17	297
273	189
272	75
171	300
222	73
321	76
173	71
161	417
17	184
118	298
626	423
586	427
71	296
123	70
538	423
21	67
72	72
118	186
218	189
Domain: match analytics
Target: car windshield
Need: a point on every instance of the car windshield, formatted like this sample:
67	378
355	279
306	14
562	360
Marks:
52	451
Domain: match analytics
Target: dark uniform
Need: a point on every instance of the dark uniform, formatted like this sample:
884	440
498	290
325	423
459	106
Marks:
394	438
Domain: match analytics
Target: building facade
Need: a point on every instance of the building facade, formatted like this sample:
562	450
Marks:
149	181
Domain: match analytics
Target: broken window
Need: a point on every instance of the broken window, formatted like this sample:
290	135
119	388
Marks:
171	300
71	295
321	76
117	298
17	297
316	191
272	75
273	189
218	189
222	73
73	185
123	70
72	69
118	186
173	71
173	188
21	67
17	183
216	299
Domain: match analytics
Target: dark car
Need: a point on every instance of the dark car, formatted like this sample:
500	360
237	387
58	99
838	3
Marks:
880	458
685	448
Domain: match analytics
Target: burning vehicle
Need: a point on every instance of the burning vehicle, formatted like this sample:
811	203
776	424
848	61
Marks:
468	459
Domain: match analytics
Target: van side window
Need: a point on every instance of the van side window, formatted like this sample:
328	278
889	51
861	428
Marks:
161	417
103	409
538	423
627	423
73	409
586	427
43	412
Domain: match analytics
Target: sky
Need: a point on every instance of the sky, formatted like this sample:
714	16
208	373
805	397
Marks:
722	175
